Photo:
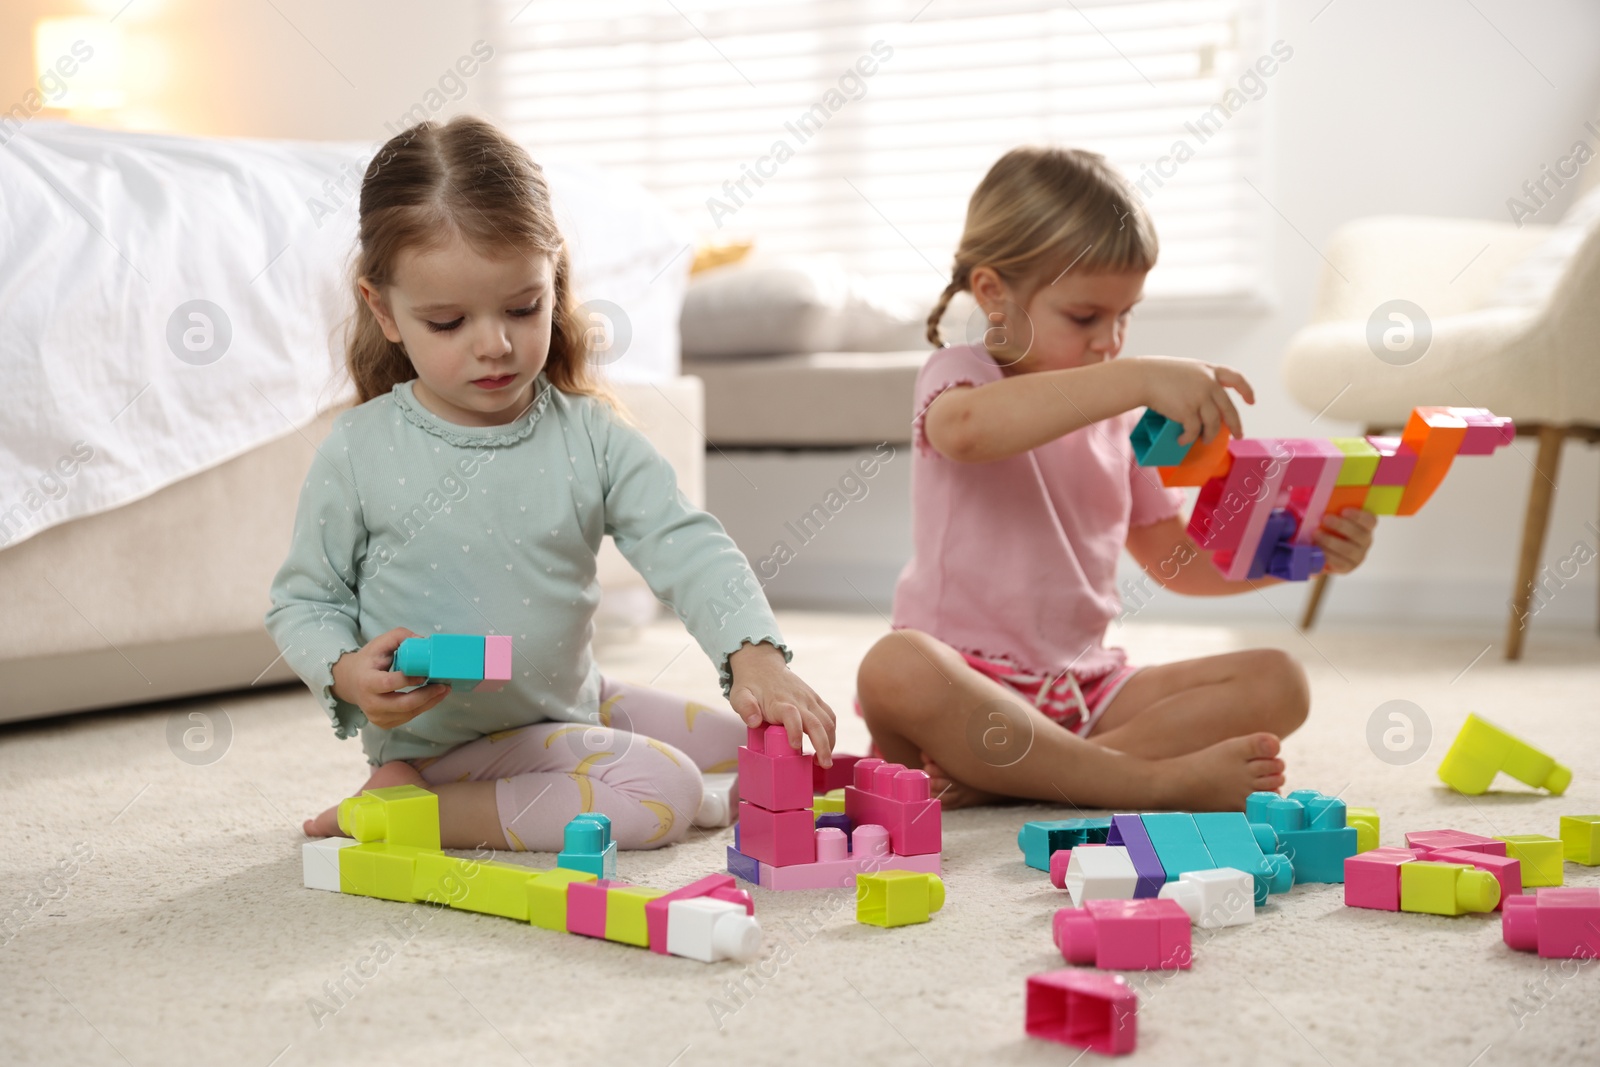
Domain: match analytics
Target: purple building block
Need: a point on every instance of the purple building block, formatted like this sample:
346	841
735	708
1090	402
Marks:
1128	831
836	819
1275	537
744	866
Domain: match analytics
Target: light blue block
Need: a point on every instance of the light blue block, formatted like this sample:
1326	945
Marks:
1040	838
1155	441
1178	843
588	846
1318	855
456	659
1232	843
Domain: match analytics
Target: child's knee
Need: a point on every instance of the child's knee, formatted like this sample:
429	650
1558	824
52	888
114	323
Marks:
672	799
1285	689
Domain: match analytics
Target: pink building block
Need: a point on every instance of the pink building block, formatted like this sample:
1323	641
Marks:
1059	860
1434	840
1506	871
1151	933
496	664
586	907
773	775
1486	431
1372	878
655	911
836	776
781	838
1231	511
1396	461
1559	923
837	865
1309	482
896	799
1083	1009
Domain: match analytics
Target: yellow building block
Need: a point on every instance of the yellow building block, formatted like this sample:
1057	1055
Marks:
1365	821
1540	856
829	802
1446	888
1481	751
482	886
1580	839
897	898
547	896
378	869
625	913
1384	499
1360	460
398	814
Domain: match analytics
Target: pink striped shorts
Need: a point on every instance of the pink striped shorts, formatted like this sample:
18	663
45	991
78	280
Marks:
1076	703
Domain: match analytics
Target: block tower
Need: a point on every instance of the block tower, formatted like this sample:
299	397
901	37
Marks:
776	824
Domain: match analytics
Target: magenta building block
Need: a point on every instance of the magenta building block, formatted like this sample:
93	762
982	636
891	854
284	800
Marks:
840	773
1129	832
1559	922
1372	878
771	774
1308	484
780	838
1125	935
1396	461
1506	871
1231	511
655	911
836	868
1486	431
897	799
1434	840
1083	1009
586	907
496	664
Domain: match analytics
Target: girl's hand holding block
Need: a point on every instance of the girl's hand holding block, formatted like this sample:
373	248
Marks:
364	679
765	690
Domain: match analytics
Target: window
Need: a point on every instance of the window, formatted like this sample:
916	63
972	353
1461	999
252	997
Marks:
860	127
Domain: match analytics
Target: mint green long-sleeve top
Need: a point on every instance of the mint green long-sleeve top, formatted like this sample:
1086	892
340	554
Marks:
406	519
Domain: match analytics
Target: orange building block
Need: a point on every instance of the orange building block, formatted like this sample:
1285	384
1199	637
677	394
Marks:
1203	462
1435	434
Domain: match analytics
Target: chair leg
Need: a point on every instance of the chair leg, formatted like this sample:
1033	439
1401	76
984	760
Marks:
1540	495
1308	618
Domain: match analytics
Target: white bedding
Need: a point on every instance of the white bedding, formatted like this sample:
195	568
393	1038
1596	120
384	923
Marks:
112	391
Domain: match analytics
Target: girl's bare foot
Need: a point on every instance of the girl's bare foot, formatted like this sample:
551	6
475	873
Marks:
952	794
1220	777
396	772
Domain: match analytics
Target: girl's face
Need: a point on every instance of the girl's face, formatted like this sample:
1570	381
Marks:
1072	321
477	329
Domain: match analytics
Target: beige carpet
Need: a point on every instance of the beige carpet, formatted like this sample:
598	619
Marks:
156	914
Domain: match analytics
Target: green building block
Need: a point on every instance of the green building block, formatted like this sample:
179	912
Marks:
1178	843
1482	750
547	896
897	898
625	916
1446	888
1541	858
1360	461
1384	499
398	814
378	869
1365	821
1580	839
483	886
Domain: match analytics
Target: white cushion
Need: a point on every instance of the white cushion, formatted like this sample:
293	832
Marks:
1530	282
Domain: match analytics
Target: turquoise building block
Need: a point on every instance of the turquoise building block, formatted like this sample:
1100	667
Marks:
588	846
1155	441
1232	843
456	659
1178	843
1039	839
1310	830
1318	855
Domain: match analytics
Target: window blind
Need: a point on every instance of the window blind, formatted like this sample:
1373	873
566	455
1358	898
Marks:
859	128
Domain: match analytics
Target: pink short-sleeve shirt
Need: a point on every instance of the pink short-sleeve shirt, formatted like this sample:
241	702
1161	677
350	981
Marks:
1016	559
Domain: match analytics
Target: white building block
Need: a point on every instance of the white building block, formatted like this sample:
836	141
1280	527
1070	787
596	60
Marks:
708	930
1219	897
319	860
719	804
1101	873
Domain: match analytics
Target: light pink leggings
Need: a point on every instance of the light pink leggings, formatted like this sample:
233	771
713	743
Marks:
641	767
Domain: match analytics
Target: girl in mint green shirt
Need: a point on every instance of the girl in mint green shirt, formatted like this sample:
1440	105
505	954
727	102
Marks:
469	493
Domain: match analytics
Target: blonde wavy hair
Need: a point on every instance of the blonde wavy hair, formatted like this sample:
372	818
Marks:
1041	210
467	178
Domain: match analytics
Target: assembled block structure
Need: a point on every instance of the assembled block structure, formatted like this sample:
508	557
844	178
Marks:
1262	501
889	822
1432	882
1481	751
394	854
462	661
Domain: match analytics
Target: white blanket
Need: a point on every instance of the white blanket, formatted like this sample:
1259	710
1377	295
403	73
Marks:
171	302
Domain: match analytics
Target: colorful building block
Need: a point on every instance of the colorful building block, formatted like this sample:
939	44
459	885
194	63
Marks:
709	930
1396	461
898	800
1061	858
1039	840
1366	822
1129	832
1232	843
1435	435
319	861
1220	896
625	914
1482	750
656	914
1559	924
742	866
1541	858
1384	499
1227	519
1177	842
1125	935
829	803
397	814
1360	461
772	774
836	820
1486	431
496	664
1083	1009
462	661
1446	888
588	846
838	774
719	799
1310	830
1098	872
897	898
838	862
484	886
1372	878
1155	440
586	907
379	869
1428	841
1206	460
780	838
1506	871
547	896
1580	839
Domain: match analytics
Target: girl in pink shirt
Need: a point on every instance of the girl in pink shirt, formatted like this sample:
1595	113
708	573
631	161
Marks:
1024	493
